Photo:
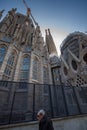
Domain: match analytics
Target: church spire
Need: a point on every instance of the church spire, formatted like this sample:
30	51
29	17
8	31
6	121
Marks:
50	43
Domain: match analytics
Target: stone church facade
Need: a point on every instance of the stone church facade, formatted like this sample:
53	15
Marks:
24	56
36	71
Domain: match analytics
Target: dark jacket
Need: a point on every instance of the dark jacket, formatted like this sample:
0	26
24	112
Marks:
46	124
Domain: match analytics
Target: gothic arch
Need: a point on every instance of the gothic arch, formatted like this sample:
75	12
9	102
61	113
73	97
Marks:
36	57
25	55
3	44
15	51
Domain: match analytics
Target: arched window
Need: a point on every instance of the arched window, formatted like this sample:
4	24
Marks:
10	67
24	70
36	69
2	53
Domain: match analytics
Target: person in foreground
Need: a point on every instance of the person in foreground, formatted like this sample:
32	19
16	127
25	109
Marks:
44	122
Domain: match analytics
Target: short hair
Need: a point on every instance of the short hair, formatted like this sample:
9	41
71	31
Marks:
41	112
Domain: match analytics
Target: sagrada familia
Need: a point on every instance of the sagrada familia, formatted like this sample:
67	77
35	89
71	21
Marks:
32	76
26	57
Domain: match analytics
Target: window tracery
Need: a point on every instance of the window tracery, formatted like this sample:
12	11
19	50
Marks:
36	69
10	67
24	70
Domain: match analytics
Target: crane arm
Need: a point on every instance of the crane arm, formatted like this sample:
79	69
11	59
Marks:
28	9
25	4
34	19
29	12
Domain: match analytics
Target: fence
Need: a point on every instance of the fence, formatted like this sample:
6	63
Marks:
19	101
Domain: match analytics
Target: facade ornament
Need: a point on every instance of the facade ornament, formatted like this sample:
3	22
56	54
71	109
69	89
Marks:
65	63
11	14
12	11
75	58
16	32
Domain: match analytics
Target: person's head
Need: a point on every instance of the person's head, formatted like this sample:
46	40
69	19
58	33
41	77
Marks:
40	114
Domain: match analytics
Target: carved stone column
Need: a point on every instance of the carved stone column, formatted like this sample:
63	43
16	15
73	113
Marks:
16	75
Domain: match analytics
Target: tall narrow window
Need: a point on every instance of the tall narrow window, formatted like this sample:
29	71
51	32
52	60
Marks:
45	75
24	70
10	67
36	69
11	60
2	54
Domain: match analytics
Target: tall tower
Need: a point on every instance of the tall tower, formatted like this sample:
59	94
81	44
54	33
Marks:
50	43
53	58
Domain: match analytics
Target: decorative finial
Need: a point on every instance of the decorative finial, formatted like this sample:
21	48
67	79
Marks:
12	11
49	30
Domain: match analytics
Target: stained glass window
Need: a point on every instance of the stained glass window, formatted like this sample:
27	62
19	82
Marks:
24	71
9	70
2	53
35	68
11	60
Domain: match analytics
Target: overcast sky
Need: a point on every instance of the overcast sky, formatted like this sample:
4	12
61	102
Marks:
61	16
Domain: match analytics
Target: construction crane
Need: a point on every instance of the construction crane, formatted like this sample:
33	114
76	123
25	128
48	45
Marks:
29	12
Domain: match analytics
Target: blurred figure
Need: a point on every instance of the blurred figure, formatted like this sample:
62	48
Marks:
44	122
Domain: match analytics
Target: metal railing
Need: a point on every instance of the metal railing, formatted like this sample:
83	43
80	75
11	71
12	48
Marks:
20	102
